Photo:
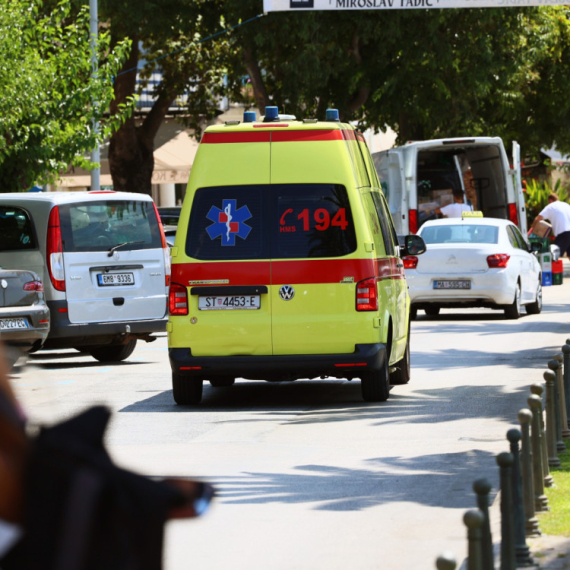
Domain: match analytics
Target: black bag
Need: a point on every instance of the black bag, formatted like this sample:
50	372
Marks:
81	511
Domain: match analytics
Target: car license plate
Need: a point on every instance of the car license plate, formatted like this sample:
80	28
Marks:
220	303
452	284
10	324
115	279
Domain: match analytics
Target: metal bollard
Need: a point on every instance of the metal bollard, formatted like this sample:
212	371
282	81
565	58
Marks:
540	499
482	487
531	522
560	447
553	460
538	389
505	463
565	432
566	376
446	561
522	551
473	520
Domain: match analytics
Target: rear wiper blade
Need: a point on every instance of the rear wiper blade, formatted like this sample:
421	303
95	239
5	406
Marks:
110	254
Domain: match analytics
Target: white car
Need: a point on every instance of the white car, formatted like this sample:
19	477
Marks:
474	262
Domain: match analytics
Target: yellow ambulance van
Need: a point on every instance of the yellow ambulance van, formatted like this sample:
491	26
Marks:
286	264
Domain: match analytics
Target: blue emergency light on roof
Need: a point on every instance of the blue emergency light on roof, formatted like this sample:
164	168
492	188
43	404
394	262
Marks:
249	117
332	115
271	114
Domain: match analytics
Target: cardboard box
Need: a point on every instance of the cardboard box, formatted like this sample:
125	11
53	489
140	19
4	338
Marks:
543	229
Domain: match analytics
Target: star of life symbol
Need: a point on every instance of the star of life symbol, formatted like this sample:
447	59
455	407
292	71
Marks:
228	222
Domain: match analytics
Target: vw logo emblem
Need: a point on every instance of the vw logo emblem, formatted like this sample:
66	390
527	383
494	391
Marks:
286	292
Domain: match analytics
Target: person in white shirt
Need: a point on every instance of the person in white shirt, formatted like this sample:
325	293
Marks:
456	209
559	215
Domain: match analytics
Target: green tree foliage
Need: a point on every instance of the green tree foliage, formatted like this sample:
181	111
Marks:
167	37
424	73
48	92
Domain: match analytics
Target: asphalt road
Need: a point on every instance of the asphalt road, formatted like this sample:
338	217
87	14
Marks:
308	475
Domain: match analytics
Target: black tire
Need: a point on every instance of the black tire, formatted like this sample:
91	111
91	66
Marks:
222	381
113	352
432	311
536	307
513	311
402	373
375	385
413	313
186	390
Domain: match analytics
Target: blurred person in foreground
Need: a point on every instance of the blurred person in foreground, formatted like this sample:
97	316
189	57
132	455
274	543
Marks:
64	505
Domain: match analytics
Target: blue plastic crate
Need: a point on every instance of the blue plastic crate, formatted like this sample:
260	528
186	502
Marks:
547	279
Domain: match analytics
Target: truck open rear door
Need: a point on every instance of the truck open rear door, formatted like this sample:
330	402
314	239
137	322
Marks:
517	184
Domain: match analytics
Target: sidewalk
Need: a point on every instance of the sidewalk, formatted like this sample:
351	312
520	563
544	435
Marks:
550	552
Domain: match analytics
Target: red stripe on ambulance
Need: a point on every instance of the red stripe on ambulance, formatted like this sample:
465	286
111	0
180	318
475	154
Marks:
285	272
236	137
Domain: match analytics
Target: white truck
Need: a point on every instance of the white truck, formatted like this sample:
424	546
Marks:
420	176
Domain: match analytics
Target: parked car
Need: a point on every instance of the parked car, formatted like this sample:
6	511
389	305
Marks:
103	260
170	235
169	215
24	315
474	262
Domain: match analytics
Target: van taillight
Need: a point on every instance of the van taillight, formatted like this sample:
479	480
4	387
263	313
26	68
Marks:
367	295
498	260
54	251
165	248
410	261
177	299
513	215
36	286
413	221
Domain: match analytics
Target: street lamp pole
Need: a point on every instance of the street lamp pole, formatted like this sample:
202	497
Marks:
95	153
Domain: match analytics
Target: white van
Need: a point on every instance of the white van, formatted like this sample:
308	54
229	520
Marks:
103	260
420	176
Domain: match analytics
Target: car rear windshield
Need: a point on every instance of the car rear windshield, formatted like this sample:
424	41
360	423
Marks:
277	221
101	225
16	230
460	234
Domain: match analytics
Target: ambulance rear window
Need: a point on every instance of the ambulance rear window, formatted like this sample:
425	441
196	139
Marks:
229	222
270	221
311	220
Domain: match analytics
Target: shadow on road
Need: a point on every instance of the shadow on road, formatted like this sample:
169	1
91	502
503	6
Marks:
442	480
472	358
320	402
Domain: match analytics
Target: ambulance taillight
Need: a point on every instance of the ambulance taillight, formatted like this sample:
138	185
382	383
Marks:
367	295
177	300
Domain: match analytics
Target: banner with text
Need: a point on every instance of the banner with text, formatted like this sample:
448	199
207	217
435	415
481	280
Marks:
285	5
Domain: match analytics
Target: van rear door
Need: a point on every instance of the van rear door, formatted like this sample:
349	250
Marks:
389	166
113	261
313	279
517	184
229	277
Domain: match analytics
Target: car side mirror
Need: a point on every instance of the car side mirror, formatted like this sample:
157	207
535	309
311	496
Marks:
414	245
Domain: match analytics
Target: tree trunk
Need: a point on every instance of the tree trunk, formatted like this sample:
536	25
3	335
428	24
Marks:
259	91
131	158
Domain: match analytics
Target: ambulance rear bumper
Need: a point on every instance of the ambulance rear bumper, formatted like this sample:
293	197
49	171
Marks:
366	357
